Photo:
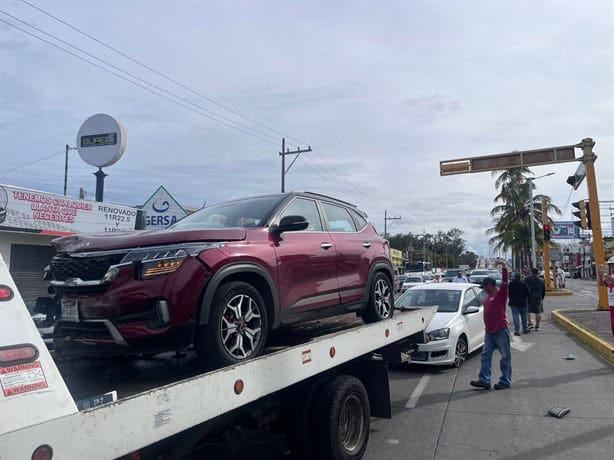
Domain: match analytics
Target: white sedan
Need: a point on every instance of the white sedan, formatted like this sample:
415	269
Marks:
457	329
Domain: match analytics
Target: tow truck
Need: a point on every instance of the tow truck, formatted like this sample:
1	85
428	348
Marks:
320	382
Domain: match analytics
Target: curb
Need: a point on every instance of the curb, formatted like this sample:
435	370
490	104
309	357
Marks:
558	293
601	347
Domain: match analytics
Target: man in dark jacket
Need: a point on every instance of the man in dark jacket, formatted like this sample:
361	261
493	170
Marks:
519	298
537	292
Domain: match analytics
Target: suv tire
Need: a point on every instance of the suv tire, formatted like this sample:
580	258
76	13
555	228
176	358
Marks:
381	300
238	325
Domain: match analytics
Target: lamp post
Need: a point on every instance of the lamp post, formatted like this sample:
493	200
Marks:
530	182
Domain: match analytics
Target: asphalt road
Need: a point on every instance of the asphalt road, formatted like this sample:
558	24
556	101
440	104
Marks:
438	415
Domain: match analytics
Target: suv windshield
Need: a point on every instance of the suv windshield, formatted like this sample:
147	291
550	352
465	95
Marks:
250	212
447	299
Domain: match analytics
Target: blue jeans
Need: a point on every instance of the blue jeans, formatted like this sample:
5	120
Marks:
499	340
519	314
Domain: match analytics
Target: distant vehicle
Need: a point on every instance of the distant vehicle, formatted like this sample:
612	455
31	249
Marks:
451	274
411	281
457	328
478	275
567	275
418	267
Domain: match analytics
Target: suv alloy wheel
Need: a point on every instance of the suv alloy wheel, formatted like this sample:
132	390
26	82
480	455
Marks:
381	300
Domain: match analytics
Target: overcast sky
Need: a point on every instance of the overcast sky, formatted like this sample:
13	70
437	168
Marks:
381	91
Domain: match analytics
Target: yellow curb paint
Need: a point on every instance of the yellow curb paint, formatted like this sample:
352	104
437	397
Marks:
558	293
601	347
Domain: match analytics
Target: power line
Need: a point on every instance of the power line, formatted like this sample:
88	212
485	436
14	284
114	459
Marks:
258	133
187	88
139	85
133	75
160	74
31	162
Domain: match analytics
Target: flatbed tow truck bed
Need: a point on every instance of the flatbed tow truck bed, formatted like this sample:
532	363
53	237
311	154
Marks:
320	380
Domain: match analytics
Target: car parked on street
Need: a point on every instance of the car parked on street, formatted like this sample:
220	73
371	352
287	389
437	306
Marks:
457	328
221	278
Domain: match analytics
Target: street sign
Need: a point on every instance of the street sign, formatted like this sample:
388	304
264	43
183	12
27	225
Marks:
578	176
509	160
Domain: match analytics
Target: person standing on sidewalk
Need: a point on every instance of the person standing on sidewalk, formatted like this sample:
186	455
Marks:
519	298
497	335
537	292
607	279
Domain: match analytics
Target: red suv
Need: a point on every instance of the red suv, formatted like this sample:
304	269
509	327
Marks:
220	278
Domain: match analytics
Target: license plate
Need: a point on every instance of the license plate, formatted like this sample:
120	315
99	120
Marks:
70	310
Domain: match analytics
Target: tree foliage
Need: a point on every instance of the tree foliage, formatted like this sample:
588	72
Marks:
512	214
443	249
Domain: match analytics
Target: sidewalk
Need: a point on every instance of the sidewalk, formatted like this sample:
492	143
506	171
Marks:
578	315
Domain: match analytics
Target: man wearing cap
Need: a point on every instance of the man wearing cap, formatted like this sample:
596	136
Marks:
497	335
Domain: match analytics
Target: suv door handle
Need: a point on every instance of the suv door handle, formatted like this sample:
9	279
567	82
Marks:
326	245
366	245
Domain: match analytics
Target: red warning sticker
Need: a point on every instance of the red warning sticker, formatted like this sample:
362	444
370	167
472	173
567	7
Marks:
22	378
306	356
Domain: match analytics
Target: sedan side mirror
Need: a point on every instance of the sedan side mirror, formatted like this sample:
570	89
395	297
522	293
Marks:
290	224
471	309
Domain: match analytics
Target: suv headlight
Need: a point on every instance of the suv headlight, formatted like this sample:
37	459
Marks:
439	334
161	260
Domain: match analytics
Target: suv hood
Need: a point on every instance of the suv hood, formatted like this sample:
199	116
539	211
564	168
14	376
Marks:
128	240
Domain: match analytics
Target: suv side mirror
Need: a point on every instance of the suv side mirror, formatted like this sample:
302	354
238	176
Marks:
290	224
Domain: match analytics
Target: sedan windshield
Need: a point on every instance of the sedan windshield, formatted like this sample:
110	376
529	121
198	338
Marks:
480	272
250	212
413	279
448	300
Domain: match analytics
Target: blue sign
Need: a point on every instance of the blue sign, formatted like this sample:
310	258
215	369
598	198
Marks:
566	230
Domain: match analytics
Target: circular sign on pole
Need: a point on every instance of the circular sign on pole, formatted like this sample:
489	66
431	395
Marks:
101	140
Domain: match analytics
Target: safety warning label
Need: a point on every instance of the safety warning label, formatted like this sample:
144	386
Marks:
22	378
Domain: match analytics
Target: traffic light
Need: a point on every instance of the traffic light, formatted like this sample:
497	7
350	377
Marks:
581	213
547	229
589	224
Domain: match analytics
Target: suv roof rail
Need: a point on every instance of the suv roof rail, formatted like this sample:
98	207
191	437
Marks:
329	198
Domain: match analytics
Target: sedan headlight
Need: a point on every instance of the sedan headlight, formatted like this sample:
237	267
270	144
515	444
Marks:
439	334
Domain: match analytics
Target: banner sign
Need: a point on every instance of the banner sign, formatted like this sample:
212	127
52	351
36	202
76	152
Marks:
32	211
566	230
162	210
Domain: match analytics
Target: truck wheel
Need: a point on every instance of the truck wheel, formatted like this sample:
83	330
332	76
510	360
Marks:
238	326
381	300
343	418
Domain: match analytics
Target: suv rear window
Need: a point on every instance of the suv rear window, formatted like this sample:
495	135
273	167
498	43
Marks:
339	219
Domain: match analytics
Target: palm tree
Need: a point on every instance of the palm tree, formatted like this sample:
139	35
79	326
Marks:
512	217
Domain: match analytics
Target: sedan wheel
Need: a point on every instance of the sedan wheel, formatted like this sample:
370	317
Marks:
461	352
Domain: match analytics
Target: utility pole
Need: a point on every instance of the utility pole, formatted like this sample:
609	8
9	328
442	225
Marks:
283	154
386	219
589	158
66	167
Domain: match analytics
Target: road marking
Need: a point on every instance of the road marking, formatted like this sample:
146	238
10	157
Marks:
393	441
413	399
587	292
518	344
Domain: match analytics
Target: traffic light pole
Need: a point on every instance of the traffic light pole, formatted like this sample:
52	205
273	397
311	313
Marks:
598	250
533	256
546	246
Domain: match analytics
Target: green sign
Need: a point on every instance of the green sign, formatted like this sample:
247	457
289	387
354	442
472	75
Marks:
97	140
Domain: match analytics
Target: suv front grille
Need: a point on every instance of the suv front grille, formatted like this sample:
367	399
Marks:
63	266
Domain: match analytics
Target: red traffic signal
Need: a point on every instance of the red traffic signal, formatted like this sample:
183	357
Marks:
547	230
